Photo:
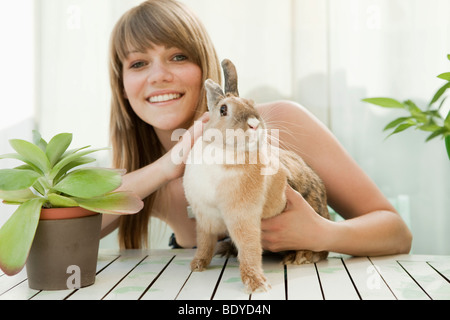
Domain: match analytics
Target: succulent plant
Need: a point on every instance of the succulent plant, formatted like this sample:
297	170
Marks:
50	177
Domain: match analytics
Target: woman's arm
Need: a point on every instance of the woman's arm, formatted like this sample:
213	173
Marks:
143	182
152	177
373	227
299	227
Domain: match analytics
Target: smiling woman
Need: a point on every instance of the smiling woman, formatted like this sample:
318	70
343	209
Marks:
159	84
160	56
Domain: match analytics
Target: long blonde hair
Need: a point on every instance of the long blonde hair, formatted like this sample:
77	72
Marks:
134	142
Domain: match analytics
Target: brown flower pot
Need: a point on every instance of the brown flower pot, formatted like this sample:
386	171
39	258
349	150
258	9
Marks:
65	249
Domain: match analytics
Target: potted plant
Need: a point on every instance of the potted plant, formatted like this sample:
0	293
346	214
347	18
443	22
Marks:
430	119
56	228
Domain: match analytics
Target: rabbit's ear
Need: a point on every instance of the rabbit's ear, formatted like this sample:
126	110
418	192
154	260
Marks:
214	93
231	78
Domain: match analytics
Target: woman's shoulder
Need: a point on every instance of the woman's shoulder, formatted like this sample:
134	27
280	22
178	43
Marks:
285	114
299	131
280	105
283	109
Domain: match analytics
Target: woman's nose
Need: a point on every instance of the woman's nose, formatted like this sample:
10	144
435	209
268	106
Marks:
159	73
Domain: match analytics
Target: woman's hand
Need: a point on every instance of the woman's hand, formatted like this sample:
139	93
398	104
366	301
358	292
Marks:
296	228
174	161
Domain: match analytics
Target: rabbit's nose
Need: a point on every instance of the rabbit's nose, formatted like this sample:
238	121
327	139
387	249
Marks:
253	123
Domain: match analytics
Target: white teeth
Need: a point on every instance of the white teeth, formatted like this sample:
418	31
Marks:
164	97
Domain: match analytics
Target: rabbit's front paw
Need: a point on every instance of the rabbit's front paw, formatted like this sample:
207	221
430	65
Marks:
199	265
255	282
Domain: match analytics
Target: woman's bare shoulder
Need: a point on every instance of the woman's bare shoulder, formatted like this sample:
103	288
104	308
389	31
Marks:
349	189
287	113
298	128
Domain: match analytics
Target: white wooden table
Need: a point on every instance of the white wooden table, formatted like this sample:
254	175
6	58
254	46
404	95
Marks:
165	274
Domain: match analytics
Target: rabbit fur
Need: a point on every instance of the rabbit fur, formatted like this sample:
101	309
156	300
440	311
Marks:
231	197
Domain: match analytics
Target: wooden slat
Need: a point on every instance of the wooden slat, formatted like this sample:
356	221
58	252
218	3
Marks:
367	279
335	282
19	292
165	274
7	282
140	278
419	257
108	278
22	291
436	286
206	280
231	286
171	281
398	281
443	267
303	282
274	272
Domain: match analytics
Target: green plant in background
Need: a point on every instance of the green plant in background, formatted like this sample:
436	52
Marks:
49	178
429	119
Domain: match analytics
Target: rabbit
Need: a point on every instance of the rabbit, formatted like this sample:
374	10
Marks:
231	197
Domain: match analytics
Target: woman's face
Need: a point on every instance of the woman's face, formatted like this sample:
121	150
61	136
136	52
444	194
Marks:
163	86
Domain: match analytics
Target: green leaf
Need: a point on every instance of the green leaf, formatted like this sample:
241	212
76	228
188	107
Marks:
434	113
45	183
57	146
395	123
37	140
15	179
39	188
113	203
448	56
17	196
17	234
14	203
31	153
412	107
73	164
447	141
89	182
400	128
59	201
72	151
440	106
445	76
439	93
447	121
19	157
436	134
68	158
431	127
385	102
415	111
25	167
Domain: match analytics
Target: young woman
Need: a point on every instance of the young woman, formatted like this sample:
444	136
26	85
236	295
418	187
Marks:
160	57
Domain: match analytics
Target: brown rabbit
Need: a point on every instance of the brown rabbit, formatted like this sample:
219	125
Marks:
236	179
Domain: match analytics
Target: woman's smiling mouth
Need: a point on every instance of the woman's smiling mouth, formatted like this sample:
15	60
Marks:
164	97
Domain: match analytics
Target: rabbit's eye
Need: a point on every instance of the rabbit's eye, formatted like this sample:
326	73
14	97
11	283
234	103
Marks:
224	110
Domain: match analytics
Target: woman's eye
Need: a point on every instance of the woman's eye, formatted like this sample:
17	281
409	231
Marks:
224	110
179	57
138	65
